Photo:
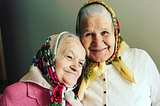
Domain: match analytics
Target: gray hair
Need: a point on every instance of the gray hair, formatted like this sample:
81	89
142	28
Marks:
93	10
62	36
90	10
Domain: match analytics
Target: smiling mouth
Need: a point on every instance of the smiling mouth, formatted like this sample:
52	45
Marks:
70	72
99	50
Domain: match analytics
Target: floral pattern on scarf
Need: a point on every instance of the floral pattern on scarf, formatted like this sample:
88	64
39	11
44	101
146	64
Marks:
44	61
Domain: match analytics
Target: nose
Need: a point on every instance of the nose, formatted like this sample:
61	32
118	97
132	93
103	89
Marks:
97	40
74	66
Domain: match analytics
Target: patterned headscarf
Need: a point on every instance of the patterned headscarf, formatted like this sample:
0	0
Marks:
115	59
44	62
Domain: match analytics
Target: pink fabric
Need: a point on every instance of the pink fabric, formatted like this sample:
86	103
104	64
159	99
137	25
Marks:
25	94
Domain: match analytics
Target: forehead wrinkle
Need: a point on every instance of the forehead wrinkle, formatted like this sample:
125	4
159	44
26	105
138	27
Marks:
93	28
74	54
82	60
89	25
69	51
62	49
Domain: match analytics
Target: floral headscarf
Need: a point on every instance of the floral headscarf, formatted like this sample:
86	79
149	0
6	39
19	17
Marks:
115	59
44	63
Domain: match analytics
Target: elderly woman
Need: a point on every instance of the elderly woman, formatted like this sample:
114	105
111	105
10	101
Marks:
52	77
115	74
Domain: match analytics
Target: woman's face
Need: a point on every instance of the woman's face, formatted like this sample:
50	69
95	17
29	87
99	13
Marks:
69	61
98	38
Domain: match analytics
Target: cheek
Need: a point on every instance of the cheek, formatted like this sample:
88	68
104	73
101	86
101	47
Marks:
58	71
58	68
79	73
110	41
86	43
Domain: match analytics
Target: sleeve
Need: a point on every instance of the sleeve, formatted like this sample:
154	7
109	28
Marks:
154	80
12	96
5	97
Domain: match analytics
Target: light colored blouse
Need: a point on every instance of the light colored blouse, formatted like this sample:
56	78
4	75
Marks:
112	89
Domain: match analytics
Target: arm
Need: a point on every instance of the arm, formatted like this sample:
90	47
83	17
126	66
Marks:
155	87
12	95
154	80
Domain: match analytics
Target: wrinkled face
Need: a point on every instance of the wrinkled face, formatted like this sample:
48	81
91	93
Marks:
98	37
69	61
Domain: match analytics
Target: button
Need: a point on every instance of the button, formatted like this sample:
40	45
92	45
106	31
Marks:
104	79
104	92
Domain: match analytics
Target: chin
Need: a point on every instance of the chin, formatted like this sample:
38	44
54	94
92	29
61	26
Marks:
69	84
98	59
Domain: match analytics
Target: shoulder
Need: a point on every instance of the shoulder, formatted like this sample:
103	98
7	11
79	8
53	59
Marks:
25	94
139	58
23	87
136	54
19	89
13	92
15	86
135	51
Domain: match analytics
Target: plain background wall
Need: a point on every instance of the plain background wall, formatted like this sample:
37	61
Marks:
25	25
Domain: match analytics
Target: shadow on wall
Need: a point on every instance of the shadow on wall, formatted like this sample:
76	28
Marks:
26	24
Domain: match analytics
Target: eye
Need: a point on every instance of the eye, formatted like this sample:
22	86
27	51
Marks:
89	34
81	63
69	57
105	33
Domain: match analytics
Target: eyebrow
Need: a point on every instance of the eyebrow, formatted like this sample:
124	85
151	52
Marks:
85	30
82	60
104	28
71	52
74	54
